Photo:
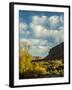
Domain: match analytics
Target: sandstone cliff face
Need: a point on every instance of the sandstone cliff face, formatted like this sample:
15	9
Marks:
56	52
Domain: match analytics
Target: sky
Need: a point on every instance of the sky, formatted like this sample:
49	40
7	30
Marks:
41	30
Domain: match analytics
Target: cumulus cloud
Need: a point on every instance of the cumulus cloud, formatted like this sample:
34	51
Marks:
35	42
23	29
42	32
40	49
38	20
37	50
35	20
42	29
62	19
61	28
36	45
23	26
39	29
53	20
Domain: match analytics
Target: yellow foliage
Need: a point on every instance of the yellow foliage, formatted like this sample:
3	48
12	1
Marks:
25	61
26	67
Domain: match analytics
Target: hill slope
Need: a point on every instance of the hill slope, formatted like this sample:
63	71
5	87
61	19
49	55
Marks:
56	53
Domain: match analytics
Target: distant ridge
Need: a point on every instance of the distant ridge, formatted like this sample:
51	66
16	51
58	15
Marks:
56	53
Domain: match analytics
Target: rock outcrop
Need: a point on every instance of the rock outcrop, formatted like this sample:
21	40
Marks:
56	53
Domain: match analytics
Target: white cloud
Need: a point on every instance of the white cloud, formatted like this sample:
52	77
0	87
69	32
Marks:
59	37
40	49
39	20
44	19
41	32
38	30
40	45
37	45
35	42
44	48
23	26
62	19
37	50
54	21
27	32
61	28
35	20
23	41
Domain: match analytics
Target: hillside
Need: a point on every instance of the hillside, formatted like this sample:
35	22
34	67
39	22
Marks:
56	53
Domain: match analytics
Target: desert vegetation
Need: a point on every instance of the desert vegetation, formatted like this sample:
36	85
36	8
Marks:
29	69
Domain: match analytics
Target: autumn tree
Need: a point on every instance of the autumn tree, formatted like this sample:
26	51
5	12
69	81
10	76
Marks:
25	58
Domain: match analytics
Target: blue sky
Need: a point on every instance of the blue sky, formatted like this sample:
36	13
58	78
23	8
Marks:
42	30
